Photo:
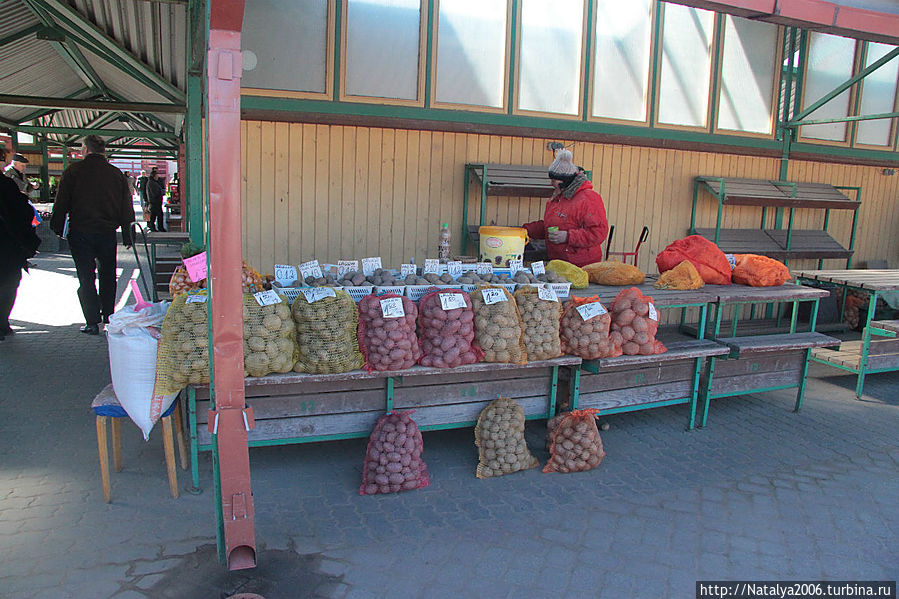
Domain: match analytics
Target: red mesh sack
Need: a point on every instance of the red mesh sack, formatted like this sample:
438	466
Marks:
576	445
446	327
635	323
710	261
759	271
393	460
584	329
386	332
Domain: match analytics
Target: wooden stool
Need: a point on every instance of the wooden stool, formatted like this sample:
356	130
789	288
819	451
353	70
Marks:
106	406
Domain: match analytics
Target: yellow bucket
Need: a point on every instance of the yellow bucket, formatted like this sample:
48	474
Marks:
501	244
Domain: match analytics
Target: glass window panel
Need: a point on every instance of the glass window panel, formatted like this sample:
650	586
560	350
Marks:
471	52
382	48
686	65
551	42
275	33
747	75
878	96
830	59
621	63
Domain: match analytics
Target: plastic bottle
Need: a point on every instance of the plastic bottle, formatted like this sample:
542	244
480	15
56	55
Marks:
443	244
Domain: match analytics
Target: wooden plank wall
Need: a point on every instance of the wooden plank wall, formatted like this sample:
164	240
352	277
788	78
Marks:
339	192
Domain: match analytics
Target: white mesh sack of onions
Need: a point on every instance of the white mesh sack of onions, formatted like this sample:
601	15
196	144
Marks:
499	437
387	332
393	459
446	328
576	445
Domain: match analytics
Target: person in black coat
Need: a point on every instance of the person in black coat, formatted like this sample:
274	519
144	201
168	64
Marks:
155	193
18	243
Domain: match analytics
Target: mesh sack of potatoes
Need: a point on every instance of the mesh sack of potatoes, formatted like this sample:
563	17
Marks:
497	324
613	272
683	276
326	321
584	329
499	436
387	332
269	337
635	323
541	312
446	328
393	459
182	357
576	445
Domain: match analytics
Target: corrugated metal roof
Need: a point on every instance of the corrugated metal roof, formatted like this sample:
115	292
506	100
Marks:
15	17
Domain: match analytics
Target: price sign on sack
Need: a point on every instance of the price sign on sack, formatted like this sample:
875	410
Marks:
196	267
432	266
392	307
591	310
547	294
452	301
345	266
514	266
311	269
484	268
196	299
407	269
267	298
732	260
454	268
285	275
653	314
493	296
370	265
315	294
537	268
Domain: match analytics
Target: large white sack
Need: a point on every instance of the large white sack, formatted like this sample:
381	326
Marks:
133	337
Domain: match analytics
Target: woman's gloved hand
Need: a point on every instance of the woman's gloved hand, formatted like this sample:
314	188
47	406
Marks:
557	236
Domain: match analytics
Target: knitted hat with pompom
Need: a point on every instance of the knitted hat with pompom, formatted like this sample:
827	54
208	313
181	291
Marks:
563	168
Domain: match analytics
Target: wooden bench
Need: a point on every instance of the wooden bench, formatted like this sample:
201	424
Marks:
301	408
881	354
761	363
628	383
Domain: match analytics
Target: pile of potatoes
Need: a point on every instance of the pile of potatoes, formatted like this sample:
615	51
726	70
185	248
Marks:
576	445
380	277
388	343
498	329
540	319
181	283
429	279
588	339
326	334
499	436
473	278
393	458
632	328
327	280
268	337
447	336
183	354
551	277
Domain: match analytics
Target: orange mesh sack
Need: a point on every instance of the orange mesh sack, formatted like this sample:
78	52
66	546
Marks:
499	436
683	276
497	325
635	322
584	329
710	261
540	311
759	271
576	445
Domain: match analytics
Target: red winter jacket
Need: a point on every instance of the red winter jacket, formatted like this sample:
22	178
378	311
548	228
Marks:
584	217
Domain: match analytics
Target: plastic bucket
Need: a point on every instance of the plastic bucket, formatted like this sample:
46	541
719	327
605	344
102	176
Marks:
501	244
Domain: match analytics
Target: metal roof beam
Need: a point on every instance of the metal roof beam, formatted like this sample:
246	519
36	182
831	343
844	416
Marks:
96	123
30	129
63	103
39	113
17	35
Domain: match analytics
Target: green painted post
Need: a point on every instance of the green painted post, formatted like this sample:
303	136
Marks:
219	512
194	448
338	32
801	391
389	394
795	316
657	52
429	48
483	195
866	344
719	309
813	319
721	194
552	392
193	142
465	237
693	213
575	387
510	98
858	198
703	315
697	368
707	391
45	171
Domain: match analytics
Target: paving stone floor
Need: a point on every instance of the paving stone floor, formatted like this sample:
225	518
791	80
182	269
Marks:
761	493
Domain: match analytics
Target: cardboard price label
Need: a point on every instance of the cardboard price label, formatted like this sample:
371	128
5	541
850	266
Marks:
196	299
392	307
407	269
454	268
493	296
452	301
285	275
311	269
315	294
591	310
538	268
484	268
196	267
514	266
732	260
432	266
547	294
653	314
345	266
370	265
267	298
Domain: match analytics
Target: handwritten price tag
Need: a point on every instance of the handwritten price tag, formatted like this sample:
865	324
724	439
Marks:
285	275
454	268
538	268
493	296
592	310
653	314
452	301
392	307
484	268
345	266
514	266
196	299
311	269
547	294
407	269
196	267
432	266
370	265
267	298
318	293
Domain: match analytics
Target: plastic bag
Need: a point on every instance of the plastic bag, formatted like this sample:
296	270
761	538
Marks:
683	276
326	332
540	319
386	337
710	262
133	339
578	277
447	334
183	356
576	444
499	437
635	323
584	332
497	325
393	459
759	271
269	337
614	273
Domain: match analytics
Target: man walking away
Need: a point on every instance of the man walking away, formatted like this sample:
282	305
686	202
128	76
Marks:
16	171
93	194
154	198
141	186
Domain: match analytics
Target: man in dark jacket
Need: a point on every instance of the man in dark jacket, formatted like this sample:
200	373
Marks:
154	199
93	194
141	186
18	242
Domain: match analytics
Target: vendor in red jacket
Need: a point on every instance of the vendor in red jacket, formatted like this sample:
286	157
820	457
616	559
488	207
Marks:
576	212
